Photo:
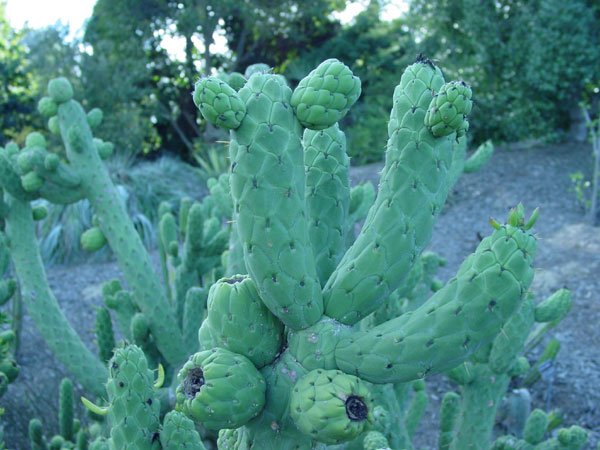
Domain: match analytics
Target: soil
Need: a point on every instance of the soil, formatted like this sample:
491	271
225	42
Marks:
568	256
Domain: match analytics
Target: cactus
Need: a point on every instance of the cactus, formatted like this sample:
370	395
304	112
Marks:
485	378
133	410
319	288
324	337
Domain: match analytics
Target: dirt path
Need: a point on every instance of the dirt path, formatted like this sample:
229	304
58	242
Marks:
569	255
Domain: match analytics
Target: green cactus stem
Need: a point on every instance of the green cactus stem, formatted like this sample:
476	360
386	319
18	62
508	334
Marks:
133	412
42	305
327	195
468	312
479	158
268	184
105	336
65	409
412	190
114	222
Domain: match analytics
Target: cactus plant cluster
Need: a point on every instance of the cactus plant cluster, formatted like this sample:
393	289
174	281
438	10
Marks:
301	332
485	377
290	193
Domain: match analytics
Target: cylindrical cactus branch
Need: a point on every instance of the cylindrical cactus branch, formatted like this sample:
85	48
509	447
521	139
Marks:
43	306
489	374
133	406
114	222
412	189
267	185
327	195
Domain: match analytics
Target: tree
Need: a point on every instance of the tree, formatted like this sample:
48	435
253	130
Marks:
130	72
16	98
527	60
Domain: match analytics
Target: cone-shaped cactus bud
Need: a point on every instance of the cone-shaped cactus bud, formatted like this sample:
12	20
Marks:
325	95
92	239
572	438
134	409
65	410
449	109
60	90
374	440
104	149
219	103
220	389
56	443
10	368
256	68
11	148
54	126
94	118
535	427
555	307
31	182
331	406
519	367
179	432
35	139
47	107
239	321
39	212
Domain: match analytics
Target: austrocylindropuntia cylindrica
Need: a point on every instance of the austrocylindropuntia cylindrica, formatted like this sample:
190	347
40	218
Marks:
279	197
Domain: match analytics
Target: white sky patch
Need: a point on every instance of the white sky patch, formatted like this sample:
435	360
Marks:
43	13
392	10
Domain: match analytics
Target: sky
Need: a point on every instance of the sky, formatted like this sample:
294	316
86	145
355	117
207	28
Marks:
42	13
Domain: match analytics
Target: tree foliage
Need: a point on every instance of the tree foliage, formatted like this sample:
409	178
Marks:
527	60
16	100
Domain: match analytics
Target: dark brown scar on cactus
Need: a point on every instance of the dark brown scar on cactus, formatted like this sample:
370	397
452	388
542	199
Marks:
193	382
356	409
234	280
421	58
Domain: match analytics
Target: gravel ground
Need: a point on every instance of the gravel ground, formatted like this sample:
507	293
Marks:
568	256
